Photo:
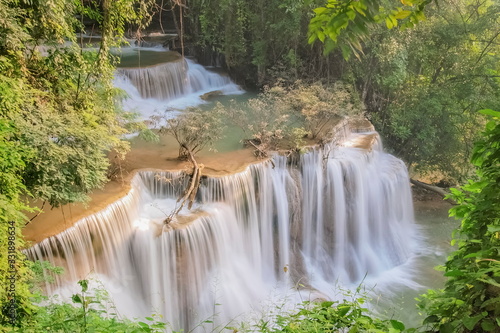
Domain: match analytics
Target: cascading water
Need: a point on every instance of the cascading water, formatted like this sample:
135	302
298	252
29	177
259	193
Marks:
357	215
330	217
170	85
164	82
174	79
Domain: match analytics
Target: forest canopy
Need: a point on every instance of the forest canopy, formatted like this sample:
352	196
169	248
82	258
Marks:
422	68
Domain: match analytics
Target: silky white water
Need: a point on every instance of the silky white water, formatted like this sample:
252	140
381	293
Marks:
169	87
331	217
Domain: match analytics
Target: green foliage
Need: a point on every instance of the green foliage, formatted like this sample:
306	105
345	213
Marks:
344	316
347	23
327	316
322	106
11	164
194	129
223	25
14	275
91	311
470	301
281	117
59	115
253	38
422	86
265	120
42	272
61	98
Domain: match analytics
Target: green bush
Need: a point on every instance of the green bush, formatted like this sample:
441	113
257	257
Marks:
91	311
470	301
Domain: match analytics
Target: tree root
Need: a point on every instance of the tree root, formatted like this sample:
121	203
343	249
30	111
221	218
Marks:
190	194
258	151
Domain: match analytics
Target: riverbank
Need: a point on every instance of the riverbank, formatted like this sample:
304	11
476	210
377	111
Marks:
427	202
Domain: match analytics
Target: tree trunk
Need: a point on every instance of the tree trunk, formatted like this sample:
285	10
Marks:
434	189
190	193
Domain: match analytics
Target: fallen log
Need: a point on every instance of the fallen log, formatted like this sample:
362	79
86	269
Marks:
436	189
258	152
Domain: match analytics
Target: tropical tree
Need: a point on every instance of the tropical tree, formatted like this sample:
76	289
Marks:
321	106
265	120
14	277
421	86
470	301
346	24
194	129
59	116
259	41
281	117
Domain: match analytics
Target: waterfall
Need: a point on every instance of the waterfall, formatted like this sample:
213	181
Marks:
164	81
170	85
328	217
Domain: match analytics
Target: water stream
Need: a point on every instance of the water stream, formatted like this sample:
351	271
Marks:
295	228
330	218
164	83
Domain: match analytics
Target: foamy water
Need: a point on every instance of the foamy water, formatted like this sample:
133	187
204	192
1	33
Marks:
165	89
274	232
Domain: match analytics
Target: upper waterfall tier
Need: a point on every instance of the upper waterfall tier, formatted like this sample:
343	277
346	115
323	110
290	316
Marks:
332	216
170	85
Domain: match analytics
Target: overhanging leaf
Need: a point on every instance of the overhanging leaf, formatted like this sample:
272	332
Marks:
76	299
493	228
490	112
470	322
398	325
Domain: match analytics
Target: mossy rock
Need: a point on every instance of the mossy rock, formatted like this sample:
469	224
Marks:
211	94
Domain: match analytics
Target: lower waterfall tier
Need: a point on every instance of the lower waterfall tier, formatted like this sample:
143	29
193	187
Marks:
330	218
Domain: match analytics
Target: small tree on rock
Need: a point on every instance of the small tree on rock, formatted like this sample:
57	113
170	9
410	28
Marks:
281	117
322	106
265	120
194	130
